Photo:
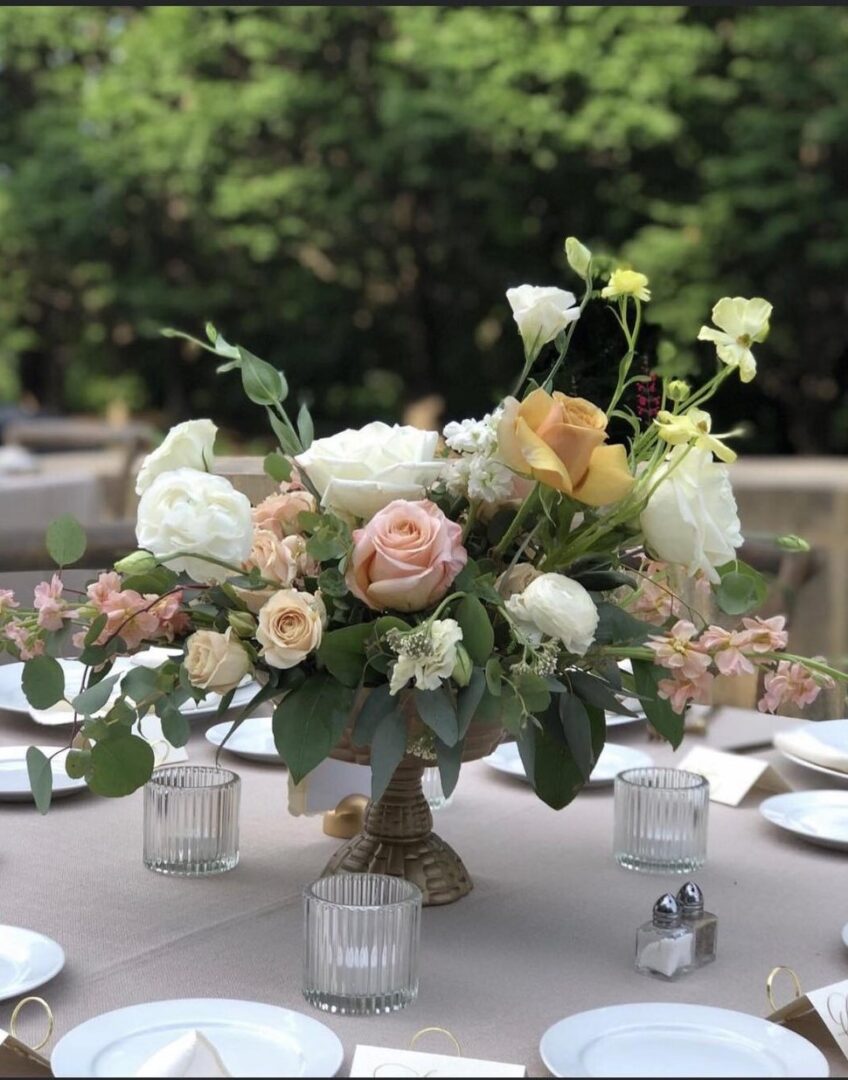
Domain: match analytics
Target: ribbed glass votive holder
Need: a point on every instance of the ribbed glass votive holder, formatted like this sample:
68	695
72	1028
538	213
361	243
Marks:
431	784
661	818
361	938
191	820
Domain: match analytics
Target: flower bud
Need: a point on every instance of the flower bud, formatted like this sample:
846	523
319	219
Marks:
463	667
139	562
792	542
679	390
579	257
242	622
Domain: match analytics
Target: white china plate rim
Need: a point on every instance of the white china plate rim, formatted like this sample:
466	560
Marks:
506	759
81	1051
835	774
567	1043
13	767
249	741
792	810
53	959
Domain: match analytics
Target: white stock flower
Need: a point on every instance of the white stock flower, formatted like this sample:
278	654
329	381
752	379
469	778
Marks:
361	470
489	480
691	518
541	312
474	436
555	606
189	445
741	322
196	512
427	655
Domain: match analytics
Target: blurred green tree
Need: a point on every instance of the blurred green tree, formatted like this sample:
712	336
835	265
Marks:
349	191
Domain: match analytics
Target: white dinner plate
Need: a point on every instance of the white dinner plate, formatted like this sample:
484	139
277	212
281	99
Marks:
819	816
14	778
832	734
27	960
253	1039
845	935
615	719
613	760
665	1039
253	739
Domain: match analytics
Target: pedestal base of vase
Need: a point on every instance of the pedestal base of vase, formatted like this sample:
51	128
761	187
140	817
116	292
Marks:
398	839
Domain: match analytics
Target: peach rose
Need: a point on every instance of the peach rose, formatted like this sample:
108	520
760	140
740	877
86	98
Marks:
277	560
279	513
291	625
215	662
406	557
559	440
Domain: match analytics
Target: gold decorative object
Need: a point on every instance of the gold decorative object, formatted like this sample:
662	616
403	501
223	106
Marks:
347	819
436	1031
397	836
16	1012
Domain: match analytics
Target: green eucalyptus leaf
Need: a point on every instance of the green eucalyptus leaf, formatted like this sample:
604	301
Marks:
305	427
342	652
175	726
377	706
277	467
478	637
65	540
468	700
262	382
578	733
77	763
667	722
741	589
449	761
120	764
43	682
533	691
40	776
494	675
438	712
388	747
95	697
309	722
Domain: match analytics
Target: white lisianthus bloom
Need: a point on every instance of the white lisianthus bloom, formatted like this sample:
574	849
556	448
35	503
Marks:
691	518
195	512
741	322
555	606
361	470
427	655
541	312
186	446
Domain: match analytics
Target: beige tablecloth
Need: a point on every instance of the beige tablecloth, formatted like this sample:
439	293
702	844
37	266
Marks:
548	930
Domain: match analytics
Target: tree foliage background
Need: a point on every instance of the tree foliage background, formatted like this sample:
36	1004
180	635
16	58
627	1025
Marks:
349	192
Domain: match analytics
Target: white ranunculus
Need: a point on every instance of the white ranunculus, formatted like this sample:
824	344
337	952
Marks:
691	517
430	665
186	446
555	606
541	311
361	470
196	512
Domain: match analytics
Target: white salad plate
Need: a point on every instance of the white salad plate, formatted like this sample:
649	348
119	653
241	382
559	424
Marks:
833	736
13	699
818	816
613	760
634	705
253	739
14	778
252	1039
27	960
666	1039
845	935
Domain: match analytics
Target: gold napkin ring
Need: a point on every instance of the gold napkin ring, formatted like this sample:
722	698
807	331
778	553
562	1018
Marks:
436	1030
796	982
16	1013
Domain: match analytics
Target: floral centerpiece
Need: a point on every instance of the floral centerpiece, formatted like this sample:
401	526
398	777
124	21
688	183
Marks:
408	598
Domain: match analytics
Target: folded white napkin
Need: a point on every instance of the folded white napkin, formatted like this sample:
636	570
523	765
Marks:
802	743
191	1054
17	459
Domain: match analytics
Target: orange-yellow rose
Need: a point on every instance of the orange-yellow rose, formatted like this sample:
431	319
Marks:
560	441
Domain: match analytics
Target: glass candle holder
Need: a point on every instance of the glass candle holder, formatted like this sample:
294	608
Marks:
361	938
661	818
431	784
191	820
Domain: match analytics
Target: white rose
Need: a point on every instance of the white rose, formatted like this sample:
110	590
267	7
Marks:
691	518
428	667
291	625
215	662
554	606
195	512
541	313
186	446
361	470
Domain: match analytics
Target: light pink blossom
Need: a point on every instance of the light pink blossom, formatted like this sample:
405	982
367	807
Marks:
29	645
7	601
727	648
680	690
791	683
678	652
49	604
765	635
655	602
100	590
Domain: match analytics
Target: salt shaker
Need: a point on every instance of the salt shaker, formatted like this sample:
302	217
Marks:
703	924
664	946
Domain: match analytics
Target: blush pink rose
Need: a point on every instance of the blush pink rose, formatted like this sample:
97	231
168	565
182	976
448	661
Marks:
279	513
406	557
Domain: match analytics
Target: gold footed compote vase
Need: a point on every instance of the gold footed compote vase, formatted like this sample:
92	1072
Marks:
397	837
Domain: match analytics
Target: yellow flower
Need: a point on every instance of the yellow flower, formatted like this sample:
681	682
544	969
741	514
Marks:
626	283
741	322
679	390
692	427
559	440
578	255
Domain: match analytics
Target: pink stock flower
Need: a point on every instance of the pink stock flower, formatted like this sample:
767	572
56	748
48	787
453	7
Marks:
791	683
100	591
49	604
678	652
134	617
727	648
173	621
765	635
680	690
655	602
7	601
28	644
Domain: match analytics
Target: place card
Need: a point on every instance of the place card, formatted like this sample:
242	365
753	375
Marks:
830	1004
17	1059
325	787
379	1061
731	776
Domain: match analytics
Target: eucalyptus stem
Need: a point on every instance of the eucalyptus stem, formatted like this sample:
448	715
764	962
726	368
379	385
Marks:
216	562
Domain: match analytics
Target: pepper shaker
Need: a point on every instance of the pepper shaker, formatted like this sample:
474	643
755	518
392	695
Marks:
664	946
703	924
